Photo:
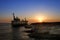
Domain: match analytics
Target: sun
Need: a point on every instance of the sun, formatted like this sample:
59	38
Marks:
40	18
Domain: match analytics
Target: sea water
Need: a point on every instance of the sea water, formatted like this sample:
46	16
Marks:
7	32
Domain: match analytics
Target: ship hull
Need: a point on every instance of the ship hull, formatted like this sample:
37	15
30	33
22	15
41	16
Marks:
15	25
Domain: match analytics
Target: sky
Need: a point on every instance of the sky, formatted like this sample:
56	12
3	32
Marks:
33	10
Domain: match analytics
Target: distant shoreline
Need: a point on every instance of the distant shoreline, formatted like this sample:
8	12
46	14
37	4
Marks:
38	23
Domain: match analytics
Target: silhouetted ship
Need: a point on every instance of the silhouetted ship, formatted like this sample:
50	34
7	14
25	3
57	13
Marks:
16	22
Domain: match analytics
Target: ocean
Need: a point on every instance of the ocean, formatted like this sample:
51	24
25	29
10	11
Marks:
7	32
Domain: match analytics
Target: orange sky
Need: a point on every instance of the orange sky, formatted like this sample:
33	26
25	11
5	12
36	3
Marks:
31	20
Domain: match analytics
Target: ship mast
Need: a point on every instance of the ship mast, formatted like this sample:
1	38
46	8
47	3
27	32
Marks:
13	16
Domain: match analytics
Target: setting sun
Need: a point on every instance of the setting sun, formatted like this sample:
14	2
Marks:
40	18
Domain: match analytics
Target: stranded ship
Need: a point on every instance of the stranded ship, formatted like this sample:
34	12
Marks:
16	22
